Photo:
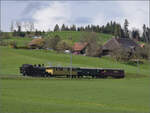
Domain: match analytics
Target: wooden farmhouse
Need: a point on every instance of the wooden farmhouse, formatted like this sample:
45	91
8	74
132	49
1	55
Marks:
36	43
79	48
117	43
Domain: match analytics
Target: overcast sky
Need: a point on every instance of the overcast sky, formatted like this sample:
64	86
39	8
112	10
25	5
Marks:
46	15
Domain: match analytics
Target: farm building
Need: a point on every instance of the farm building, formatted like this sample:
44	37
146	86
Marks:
34	37
142	45
36	43
79	48
116	43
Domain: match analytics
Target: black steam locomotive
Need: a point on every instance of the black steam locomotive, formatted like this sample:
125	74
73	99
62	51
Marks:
74	72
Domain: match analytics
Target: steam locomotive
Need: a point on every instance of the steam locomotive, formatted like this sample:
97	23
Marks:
73	72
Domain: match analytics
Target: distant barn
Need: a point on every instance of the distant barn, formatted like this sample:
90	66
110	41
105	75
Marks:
116	43
79	48
36	43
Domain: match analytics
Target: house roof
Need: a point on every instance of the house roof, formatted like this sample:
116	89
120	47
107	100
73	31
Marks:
120	42
142	45
79	46
127	42
37	41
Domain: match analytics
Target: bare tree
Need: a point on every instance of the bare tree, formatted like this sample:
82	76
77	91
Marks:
93	48
12	26
18	25
31	26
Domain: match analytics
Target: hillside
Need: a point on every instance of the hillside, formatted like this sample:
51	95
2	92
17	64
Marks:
69	36
12	59
76	36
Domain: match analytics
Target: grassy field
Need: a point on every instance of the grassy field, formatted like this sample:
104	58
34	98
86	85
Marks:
74	96
69	36
75	36
19	41
43	95
12	59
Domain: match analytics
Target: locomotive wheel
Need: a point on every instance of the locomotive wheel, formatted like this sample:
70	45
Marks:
104	76
24	74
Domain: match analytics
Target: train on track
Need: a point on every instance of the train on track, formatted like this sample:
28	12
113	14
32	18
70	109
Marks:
69	72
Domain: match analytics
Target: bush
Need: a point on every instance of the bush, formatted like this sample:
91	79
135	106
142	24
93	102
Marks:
5	35
121	54
52	42
36	43
63	45
145	52
93	49
13	44
23	47
3	43
130	54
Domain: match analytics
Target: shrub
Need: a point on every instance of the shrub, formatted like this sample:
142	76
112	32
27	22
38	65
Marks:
13	44
36	43
3	43
93	49
121	54
5	35
145	52
63	45
52	42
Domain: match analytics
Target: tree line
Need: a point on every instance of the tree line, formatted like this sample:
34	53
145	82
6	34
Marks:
112	27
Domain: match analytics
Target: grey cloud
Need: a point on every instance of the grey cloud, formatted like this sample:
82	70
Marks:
33	6
82	20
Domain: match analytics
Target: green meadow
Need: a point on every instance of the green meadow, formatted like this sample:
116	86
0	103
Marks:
20	94
76	36
12	59
39	95
19	41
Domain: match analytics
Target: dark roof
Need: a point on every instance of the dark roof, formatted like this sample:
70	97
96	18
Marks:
120	42
126	42
111	44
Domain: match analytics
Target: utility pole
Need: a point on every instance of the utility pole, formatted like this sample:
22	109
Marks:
71	62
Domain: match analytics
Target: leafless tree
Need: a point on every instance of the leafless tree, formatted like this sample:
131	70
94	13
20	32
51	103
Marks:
18	25
94	48
12	26
29	26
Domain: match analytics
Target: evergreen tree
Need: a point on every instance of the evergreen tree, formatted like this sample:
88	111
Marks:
117	30
43	32
122	33
135	34
12	26
73	28
56	28
63	28
148	34
145	38
36	32
66	28
126	31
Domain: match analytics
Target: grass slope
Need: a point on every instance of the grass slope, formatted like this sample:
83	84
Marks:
75	96
69	36
19	41
12	59
76	36
44	95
